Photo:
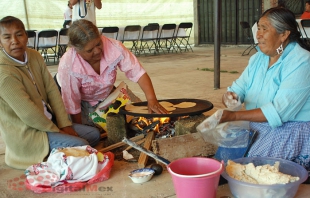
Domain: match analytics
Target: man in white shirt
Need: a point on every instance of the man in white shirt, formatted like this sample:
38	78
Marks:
68	16
85	9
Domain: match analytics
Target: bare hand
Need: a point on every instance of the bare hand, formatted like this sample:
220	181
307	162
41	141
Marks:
156	108
68	130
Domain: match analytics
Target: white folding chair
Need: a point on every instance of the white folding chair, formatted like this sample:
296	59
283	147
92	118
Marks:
148	40
247	33
110	32
182	36
132	34
31	38
63	40
47	42
166	39
305	24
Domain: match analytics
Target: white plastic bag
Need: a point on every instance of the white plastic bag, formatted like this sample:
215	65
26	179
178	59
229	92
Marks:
233	134
231	103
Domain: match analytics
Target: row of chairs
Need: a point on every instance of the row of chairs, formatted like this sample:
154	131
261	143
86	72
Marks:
52	44
153	38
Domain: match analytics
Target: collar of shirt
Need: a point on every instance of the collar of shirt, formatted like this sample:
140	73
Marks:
18	61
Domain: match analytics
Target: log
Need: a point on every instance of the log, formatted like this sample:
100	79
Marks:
147	145
103	135
119	144
149	153
182	146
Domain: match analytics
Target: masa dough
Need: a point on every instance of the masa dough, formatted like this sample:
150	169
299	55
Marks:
265	174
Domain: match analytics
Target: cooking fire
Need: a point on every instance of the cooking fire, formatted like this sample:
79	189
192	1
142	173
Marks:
164	126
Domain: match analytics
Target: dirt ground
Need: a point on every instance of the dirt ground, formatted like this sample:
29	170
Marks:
181	75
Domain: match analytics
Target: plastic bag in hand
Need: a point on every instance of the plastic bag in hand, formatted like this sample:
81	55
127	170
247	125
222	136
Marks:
230	101
233	134
211	122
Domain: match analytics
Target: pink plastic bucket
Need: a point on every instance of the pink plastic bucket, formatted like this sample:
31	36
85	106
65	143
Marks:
195	177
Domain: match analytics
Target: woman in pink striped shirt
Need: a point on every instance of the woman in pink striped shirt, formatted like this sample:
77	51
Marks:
87	71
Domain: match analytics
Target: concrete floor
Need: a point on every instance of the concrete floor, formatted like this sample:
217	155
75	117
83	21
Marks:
173	76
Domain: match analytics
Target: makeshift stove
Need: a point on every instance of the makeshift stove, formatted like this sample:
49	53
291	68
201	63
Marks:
164	124
163	127
156	127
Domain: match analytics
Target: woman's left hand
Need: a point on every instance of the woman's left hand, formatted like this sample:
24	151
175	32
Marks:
69	130
155	107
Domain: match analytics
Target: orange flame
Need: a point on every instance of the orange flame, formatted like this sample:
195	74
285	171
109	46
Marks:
162	121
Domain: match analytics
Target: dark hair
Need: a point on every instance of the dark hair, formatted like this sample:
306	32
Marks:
283	19
10	20
81	32
307	2
281	4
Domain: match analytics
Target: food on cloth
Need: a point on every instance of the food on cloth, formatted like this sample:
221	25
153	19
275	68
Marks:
100	157
59	169
185	105
157	168
265	174
75	152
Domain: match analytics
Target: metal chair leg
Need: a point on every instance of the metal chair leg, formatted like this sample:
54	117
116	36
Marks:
250	48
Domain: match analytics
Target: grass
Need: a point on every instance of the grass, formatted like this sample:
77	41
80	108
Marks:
222	71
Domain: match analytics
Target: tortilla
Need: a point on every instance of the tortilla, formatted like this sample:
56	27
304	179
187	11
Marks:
133	108
141	111
170	108
185	105
165	104
74	152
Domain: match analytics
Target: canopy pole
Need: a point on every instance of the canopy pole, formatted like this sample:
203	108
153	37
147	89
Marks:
26	13
217	42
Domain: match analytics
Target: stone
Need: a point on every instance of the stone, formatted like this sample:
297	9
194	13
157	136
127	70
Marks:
188	125
116	128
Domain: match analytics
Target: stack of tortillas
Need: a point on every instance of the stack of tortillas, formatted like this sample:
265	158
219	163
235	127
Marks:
167	105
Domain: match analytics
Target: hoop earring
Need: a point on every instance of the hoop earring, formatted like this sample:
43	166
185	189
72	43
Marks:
280	49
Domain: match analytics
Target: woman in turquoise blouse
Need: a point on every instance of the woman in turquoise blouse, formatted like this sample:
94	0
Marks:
275	90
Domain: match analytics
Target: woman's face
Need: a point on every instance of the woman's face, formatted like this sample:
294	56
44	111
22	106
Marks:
268	38
14	40
92	51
